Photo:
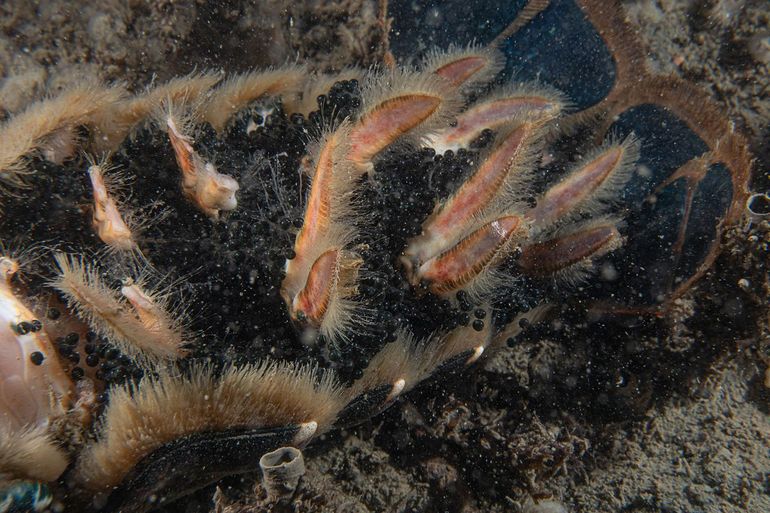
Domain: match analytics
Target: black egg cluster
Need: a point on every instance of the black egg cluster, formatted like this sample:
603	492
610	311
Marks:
342	101
230	271
24	327
109	365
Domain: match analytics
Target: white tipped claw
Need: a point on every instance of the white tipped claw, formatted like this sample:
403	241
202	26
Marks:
305	433
477	352
398	387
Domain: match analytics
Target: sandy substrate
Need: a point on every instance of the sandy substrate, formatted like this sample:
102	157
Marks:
693	436
723	46
46	45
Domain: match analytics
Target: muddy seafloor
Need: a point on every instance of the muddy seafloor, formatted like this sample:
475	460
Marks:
689	433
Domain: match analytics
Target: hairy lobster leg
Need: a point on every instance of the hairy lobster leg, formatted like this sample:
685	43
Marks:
208	456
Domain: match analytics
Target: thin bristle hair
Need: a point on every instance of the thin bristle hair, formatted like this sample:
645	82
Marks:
238	91
116	181
142	418
141	325
19	258
117	122
30	454
48	126
183	113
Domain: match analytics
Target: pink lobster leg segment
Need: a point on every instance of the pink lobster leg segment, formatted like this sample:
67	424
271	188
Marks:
490	115
311	304
387	122
476	194
463	263
318	212
457	72
552	256
564	198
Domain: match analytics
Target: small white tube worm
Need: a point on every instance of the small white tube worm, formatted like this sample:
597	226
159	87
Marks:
281	471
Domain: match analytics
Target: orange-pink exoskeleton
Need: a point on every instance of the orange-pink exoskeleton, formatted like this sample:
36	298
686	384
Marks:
320	283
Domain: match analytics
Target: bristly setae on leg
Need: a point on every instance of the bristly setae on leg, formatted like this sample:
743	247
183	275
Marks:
349	221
